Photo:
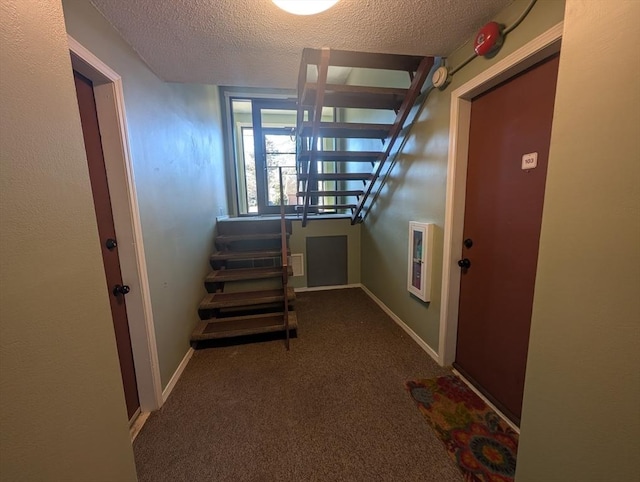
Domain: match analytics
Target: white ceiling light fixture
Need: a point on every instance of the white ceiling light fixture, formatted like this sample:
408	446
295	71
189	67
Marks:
305	7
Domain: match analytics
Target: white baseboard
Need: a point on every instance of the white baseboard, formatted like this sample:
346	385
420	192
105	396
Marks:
326	288
485	400
137	424
421	343
176	376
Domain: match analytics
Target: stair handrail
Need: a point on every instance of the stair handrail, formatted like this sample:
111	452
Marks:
285	260
407	104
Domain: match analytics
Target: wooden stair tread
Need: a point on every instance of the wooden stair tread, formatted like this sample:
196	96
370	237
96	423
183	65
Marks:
346	58
331	193
348	130
239	255
244	298
242	325
343	156
339	176
228	238
355	96
223	275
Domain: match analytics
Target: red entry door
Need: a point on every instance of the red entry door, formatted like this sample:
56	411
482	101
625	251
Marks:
108	241
503	214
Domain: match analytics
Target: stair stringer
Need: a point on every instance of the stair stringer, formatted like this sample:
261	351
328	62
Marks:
394	156
310	132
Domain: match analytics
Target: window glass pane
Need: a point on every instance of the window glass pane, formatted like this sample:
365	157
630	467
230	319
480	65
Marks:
278	117
288	184
249	170
244	154
280	150
279	144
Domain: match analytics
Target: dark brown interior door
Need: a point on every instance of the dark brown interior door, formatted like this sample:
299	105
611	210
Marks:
503	213
108	241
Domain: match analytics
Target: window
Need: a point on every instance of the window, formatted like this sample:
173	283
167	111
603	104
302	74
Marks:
263	143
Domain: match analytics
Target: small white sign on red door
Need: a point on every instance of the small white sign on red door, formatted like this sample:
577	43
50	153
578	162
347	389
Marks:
530	161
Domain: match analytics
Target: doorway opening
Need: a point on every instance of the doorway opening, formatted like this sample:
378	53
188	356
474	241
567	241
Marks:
522	59
109	100
108	238
502	223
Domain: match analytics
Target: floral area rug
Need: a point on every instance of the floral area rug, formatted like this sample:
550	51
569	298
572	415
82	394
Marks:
480	442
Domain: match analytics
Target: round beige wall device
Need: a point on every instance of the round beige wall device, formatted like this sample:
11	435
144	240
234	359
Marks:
440	77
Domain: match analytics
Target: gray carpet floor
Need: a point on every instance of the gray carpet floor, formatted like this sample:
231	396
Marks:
334	408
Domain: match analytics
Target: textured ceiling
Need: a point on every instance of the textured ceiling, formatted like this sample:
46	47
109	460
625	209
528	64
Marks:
253	43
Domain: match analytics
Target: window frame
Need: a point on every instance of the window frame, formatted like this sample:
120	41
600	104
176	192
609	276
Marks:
236	173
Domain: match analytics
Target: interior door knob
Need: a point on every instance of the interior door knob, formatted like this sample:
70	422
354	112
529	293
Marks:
120	290
464	263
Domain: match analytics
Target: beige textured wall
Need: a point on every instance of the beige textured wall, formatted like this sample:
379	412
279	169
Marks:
63	415
177	154
581	413
415	190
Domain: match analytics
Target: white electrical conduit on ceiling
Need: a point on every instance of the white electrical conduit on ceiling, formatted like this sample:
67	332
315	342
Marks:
504	32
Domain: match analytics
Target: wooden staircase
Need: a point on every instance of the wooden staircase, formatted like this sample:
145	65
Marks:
311	130
248	291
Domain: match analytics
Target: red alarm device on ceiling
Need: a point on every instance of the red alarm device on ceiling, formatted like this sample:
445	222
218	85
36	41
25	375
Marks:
489	39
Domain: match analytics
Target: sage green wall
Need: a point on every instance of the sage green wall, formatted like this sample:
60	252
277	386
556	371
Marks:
177	154
415	190
581	414
327	227
63	416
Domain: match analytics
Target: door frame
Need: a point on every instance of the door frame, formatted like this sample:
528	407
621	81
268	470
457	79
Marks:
109	96
533	52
